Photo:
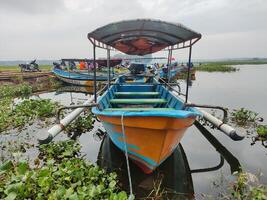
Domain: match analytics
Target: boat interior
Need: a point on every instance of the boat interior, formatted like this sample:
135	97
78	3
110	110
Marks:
138	96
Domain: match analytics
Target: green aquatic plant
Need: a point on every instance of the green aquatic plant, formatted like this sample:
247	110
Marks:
80	125
244	117
17	116
262	130
12	91
46	84
67	178
215	67
59	150
247	187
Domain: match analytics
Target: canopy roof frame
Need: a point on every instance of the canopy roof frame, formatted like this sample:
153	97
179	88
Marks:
119	30
181	43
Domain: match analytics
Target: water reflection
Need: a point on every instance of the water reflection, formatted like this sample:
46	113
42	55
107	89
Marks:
172	179
74	88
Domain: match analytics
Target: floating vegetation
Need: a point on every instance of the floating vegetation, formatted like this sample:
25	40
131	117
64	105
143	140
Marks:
14	149
247	187
216	67
46	84
59	150
22	90
69	177
261	135
262	131
243	117
82	124
25	112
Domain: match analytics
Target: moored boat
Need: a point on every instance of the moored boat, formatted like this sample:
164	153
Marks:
150	117
83	77
144	118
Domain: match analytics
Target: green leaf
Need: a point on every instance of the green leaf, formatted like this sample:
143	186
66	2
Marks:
22	167
7	165
11	196
112	184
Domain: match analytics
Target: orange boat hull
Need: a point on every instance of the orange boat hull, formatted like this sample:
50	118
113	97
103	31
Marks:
150	140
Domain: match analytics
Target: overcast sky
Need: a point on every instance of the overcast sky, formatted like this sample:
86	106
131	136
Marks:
53	29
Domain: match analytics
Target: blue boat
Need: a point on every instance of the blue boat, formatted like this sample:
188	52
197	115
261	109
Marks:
154	120
76	78
141	116
73	76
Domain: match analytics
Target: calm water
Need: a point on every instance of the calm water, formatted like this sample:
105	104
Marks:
245	88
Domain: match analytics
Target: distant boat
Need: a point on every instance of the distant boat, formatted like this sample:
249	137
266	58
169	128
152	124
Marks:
163	73
82	77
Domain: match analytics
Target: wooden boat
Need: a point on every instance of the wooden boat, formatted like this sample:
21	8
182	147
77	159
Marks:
154	120
82	77
77	78
144	115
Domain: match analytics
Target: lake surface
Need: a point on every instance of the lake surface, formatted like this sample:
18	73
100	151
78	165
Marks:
245	88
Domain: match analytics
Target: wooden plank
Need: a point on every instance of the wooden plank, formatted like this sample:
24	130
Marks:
138	109
136	93
137	101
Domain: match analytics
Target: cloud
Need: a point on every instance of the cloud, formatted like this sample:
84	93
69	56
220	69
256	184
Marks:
58	28
31	7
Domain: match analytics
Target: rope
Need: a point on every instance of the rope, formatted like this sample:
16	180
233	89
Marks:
127	159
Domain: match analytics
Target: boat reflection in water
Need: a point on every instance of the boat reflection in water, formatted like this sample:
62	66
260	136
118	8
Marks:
171	179
77	89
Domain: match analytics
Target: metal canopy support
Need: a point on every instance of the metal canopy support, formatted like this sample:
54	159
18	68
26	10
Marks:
108	65
188	73
170	63
94	63
168	66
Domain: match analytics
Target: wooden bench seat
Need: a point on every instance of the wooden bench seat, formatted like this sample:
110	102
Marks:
119	94
138	109
137	101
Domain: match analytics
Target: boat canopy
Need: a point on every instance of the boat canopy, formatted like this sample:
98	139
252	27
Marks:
143	36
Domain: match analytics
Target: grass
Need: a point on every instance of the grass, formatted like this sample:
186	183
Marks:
215	67
17	68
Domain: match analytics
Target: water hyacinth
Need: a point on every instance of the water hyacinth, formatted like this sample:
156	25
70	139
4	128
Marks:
25	112
69	177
